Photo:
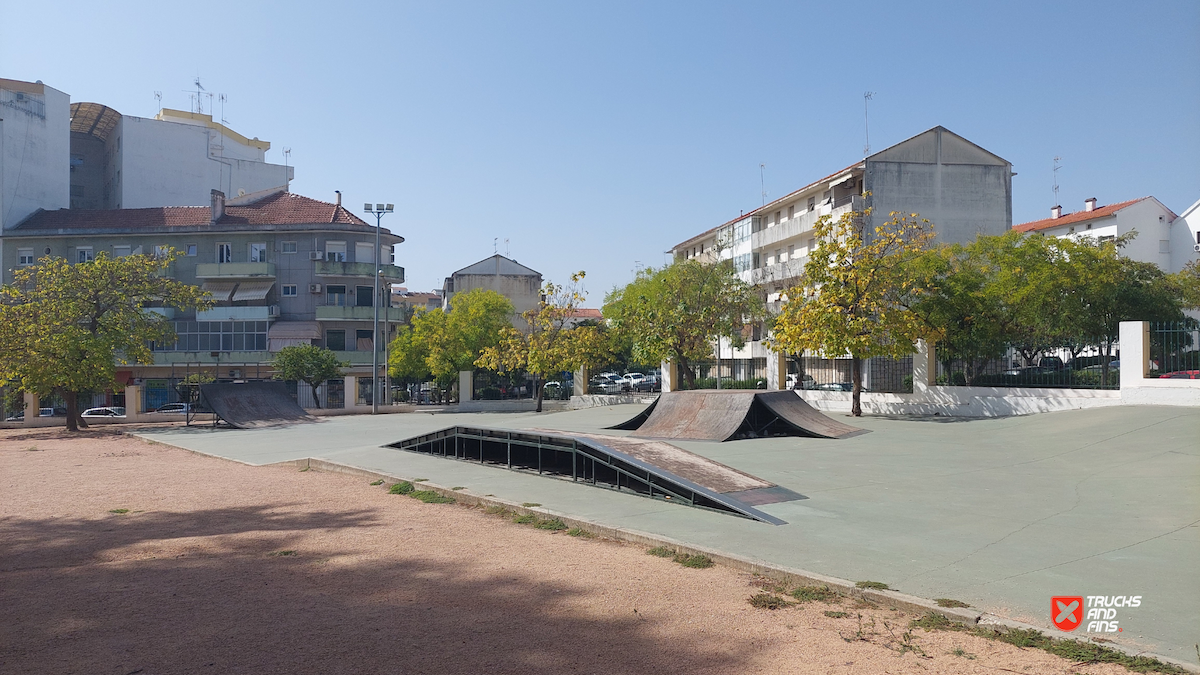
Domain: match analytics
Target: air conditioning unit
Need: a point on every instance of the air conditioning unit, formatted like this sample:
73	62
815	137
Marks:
314	288
316	255
1196	248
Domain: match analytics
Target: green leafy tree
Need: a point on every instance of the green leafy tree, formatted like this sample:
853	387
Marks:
307	363
1187	285
65	328
675	313
549	341
406	357
855	293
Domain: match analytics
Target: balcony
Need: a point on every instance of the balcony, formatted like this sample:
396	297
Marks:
245	270
804	222
787	273
334	313
327	268
264	313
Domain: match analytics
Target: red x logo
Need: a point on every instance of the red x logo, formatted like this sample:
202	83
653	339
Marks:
1066	611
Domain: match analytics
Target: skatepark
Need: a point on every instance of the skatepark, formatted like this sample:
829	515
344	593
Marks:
1001	514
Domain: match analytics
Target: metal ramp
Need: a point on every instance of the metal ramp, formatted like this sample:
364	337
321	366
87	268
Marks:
728	414
251	405
647	468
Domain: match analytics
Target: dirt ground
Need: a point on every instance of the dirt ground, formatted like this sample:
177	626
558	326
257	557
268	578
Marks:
219	567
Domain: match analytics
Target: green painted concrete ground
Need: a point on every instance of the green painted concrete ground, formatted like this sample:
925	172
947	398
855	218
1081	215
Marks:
998	513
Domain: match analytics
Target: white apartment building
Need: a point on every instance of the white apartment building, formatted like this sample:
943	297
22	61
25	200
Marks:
1162	238
35	122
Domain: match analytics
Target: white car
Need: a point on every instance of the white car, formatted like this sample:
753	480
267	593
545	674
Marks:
115	411
175	409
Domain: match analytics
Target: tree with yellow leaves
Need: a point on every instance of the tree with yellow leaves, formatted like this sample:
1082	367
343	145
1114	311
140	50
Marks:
855	293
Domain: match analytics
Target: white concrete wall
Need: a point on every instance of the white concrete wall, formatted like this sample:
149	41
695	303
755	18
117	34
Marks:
1152	222
35	152
1184	238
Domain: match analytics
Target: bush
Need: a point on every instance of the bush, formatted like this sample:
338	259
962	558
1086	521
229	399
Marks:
811	593
768	601
431	497
402	488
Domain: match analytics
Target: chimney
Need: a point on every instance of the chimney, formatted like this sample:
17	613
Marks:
338	201
1089	204
1055	211
218	205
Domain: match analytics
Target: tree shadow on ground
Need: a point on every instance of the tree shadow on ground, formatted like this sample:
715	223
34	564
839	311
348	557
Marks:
246	606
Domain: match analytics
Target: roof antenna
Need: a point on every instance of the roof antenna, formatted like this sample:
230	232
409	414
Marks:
867	96
495	245
222	98
1057	166
287	181
506	254
158	98
762	182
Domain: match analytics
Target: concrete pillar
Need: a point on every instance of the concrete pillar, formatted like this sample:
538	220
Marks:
670	375
776	371
581	381
466	385
924	367
351	392
32	407
1135	352
133	401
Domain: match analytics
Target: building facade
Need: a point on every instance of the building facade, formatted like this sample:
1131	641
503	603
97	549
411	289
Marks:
283	269
520	284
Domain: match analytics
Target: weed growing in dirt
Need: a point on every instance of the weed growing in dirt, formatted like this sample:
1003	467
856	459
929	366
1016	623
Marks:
947	602
959	651
872	585
307	468
768	601
818	593
402	488
694	561
459	487
580	532
662	552
279	553
431	497
933	621
118	511
378	482
32	448
525	519
496	511
530	505
551	524
420	480
769	585
836	615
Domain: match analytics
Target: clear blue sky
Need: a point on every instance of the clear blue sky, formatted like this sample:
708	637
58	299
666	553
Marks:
596	135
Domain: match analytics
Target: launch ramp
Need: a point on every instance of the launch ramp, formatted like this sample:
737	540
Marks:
250	405
728	414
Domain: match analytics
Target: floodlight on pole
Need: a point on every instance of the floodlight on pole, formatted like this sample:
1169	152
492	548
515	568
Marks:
378	212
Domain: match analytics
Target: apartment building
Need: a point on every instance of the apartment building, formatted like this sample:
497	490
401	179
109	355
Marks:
284	269
520	284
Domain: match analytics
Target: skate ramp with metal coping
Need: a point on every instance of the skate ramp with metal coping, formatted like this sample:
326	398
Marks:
722	415
252	405
644	467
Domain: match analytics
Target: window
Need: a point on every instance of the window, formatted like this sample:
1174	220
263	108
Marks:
287	247
84	254
362	296
812	243
363	252
791	211
190	250
812	203
335	295
362	340
24	256
258	253
335	251
288	290
779	255
224	252
827	196
162	250
335	340
791	252
777	214
218	336
1164	245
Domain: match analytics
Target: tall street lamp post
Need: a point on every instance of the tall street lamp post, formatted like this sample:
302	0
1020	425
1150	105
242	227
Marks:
378	211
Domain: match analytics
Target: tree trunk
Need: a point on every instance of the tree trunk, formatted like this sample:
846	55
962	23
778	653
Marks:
856	389
73	418
688	374
316	398
537	382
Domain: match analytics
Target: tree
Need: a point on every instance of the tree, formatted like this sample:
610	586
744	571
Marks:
406	357
549	341
64	328
307	363
675	313
855	293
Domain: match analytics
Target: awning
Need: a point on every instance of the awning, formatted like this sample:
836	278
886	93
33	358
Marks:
838	181
253	290
287	333
220	289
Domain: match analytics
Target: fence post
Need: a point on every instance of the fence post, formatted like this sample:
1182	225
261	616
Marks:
581	381
466	385
776	371
32	409
1134	338
669	375
924	367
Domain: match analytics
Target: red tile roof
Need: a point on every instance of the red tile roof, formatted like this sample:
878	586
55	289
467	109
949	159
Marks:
1077	217
280	208
587	313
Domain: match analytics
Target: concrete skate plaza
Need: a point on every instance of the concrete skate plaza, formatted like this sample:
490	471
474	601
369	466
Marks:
998	513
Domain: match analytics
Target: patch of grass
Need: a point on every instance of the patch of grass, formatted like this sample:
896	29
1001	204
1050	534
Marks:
580	532
836	615
32	448
662	552
818	593
459	487
496	511
402	488
934	621
872	585
948	602
431	497
307	468
525	519
550	524
279	553
378	482
768	601
769	585
420	480
694	561
959	651
118	511
530	505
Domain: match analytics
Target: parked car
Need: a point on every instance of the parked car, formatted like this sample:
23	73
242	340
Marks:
52	412
601	384
633	381
175	409
650	382
113	411
1181	375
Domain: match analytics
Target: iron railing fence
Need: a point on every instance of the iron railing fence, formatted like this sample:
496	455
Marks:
1085	363
1174	348
733	373
879	374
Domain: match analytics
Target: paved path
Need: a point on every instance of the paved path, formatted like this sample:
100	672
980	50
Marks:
999	513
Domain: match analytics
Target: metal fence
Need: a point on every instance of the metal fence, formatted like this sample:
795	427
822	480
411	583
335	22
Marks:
733	374
879	374
1082	364
1174	348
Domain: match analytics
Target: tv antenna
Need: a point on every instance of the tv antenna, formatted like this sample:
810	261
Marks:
1057	166
222	98
506	254
495	245
867	96
762	182
198	97
158	99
